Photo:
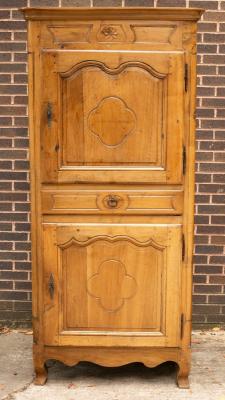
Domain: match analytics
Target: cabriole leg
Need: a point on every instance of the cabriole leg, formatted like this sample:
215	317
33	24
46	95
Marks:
41	373
183	374
39	366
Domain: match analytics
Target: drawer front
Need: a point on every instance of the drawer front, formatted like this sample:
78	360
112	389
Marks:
112	202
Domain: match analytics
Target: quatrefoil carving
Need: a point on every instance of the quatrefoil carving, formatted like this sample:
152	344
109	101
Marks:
111	285
112	121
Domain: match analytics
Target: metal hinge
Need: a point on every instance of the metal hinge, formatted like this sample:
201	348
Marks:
51	286
49	114
184	160
182	326
185	77
183	247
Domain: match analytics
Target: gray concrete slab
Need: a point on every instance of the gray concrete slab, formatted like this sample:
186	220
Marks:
87	381
16	365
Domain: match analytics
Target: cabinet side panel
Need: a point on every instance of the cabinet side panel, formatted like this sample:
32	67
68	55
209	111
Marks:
189	41
34	95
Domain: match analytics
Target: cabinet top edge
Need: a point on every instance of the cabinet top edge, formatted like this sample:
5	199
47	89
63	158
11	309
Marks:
138	13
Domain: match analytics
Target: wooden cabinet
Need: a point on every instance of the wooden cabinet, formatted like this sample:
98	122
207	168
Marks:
112	119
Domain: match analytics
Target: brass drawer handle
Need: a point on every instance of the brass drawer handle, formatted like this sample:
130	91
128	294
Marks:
112	201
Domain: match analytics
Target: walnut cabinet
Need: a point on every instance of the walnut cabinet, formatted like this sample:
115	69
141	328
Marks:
112	120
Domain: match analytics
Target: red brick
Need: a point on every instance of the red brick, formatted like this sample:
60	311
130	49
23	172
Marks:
213	123
205	112
207	49
216	318
6	305
208	188
201	219
213	80
211	167
169	3
44	3
13	25
202	178
220	113
202	199
217	279
218	239
202	309
204	134
214	102
214	59
207	289
219	178
107	3
217	259
199	278
75	3
13	3
208	249
219	135
198	239
214	16
214	37
211	209
198	319
208	5
217	299
207	26
218	199
139	3
206	69
199	298
22	306
204	156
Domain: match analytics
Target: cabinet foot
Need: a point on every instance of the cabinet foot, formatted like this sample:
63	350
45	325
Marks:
182	375
41	374
183	382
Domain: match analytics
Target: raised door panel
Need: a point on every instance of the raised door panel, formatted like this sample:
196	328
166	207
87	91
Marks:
118	129
112	117
112	284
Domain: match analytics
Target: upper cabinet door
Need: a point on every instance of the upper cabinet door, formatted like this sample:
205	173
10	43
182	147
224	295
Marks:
112	116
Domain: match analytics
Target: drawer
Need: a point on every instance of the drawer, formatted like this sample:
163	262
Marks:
112	202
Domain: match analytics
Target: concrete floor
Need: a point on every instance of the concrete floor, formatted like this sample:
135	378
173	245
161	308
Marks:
87	381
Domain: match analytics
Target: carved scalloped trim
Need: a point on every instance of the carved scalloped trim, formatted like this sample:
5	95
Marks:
111	239
112	71
115	356
120	361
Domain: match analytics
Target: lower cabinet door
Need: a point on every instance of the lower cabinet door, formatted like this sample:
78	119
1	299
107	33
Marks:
112	284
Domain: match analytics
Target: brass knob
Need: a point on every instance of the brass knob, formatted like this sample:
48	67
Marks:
112	201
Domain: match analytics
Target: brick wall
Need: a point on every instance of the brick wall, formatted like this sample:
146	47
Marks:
15	266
